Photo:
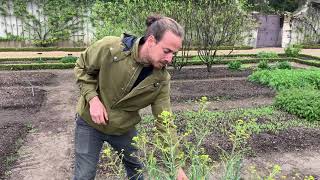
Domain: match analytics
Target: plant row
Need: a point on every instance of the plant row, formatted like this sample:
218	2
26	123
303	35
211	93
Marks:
194	149
298	90
50	63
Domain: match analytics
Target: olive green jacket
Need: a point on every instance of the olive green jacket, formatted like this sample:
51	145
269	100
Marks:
106	71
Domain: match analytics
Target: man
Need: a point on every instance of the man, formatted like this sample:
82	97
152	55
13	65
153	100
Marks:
118	77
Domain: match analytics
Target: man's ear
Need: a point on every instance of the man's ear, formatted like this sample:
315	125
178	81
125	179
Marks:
151	41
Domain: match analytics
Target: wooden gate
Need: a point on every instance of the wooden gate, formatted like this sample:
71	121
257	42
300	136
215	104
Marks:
269	32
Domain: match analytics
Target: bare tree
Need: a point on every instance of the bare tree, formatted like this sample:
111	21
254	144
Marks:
219	23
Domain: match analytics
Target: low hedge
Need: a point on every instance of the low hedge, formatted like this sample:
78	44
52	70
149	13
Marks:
31	59
304	103
41	49
226	48
76	49
34	66
306	62
309	46
46	60
243	61
309	56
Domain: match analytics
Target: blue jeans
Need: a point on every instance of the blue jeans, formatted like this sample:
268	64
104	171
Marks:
88	144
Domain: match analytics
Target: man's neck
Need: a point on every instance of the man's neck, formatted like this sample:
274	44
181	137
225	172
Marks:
142	56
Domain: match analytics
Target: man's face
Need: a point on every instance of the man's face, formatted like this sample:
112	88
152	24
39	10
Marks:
161	53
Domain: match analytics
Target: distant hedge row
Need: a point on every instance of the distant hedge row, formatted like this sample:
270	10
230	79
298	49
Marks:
77	49
31	59
41	49
45	65
35	66
310	46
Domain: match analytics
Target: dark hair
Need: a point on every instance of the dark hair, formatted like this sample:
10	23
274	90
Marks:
157	25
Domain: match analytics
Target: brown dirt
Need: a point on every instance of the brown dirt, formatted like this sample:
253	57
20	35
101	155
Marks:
202	73
48	151
224	89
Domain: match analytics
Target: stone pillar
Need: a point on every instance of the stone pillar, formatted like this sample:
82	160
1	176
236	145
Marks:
286	31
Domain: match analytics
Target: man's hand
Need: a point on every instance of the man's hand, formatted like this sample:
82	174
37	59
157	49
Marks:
182	175
97	111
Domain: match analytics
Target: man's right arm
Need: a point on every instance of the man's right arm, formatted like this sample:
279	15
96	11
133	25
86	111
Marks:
86	71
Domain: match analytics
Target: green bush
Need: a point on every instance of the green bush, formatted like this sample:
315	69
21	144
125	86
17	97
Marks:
265	54
234	65
263	64
304	102
284	65
292	51
68	59
285	79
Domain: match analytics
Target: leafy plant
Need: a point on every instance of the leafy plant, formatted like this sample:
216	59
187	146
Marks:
285	79
292	51
304	102
263	64
161	157
68	59
265	54
284	65
234	65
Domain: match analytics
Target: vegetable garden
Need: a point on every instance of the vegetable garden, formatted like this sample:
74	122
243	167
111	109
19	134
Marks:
246	107
238	116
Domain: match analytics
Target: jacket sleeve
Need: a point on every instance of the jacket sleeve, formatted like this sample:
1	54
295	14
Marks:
87	70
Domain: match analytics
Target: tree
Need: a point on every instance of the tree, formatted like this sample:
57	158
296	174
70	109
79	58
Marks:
116	17
275	6
54	20
309	24
182	13
219	23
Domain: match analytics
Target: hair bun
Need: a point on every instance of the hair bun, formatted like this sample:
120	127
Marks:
151	19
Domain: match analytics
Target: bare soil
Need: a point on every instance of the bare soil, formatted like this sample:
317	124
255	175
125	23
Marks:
48	104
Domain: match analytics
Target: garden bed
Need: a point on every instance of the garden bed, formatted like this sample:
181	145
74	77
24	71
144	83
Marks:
221	85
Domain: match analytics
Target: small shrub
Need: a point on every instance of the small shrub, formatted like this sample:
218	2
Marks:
265	54
234	65
40	61
69	59
44	42
304	102
263	64
292	51
284	65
